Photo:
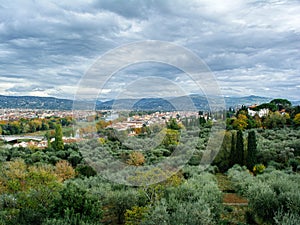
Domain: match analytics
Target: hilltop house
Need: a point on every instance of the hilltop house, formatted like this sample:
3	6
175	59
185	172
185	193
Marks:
260	113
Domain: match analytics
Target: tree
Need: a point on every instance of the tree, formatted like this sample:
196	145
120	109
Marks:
48	137
35	125
252	150
64	170
102	124
297	119
233	155
136	159
240	148
223	158
241	122
76	201
281	103
58	143
172	138
275	120
172	124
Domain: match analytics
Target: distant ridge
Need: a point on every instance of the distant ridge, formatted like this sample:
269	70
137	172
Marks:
33	102
159	104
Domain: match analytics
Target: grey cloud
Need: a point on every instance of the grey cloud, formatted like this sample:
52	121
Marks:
18	88
55	42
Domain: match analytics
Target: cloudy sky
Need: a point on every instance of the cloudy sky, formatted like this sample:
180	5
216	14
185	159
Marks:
252	47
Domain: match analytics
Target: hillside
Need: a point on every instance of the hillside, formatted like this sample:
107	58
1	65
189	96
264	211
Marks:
180	103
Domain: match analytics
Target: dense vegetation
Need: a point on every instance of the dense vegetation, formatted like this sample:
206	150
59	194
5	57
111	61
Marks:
58	185
24	125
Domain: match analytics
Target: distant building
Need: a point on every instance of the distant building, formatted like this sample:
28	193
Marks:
260	113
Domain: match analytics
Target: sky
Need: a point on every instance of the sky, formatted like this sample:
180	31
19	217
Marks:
250	47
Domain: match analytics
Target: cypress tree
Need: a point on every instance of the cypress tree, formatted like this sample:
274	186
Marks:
252	150
240	148
58	143
48	137
233	155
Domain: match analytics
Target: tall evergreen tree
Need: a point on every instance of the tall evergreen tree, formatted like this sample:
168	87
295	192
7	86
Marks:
233	155
48	137
252	150
240	148
58	143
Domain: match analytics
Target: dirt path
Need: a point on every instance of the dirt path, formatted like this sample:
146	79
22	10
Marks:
235	206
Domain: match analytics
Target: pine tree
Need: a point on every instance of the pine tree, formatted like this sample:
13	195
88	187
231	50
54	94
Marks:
58	143
252	150
240	148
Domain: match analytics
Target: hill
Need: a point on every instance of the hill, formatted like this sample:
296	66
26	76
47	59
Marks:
169	104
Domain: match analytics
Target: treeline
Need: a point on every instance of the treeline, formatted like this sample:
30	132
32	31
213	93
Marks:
24	125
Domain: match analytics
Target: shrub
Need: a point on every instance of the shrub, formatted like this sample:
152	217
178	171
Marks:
258	169
282	218
77	202
269	194
197	201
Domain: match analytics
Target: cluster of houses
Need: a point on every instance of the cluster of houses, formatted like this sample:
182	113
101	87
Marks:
138	121
15	114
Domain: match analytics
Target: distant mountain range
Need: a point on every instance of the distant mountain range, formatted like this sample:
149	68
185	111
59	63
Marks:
177	103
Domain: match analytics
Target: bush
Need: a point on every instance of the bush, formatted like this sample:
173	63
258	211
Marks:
282	218
269	194
258	169
77	202
241	178
119	201
197	201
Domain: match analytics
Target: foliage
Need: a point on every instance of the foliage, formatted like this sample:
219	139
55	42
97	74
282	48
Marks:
269	194
24	125
58	142
251	150
239	159
241	122
297	119
223	159
173	124
119	201
197	201
135	215
77	202
64	170
275	120
283	218
171	138
258	169
136	158
27	192
281	103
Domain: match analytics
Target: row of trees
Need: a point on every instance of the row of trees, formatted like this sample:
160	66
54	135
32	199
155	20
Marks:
238	154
